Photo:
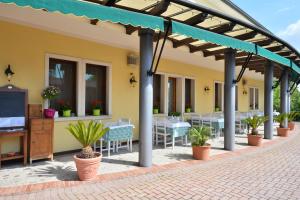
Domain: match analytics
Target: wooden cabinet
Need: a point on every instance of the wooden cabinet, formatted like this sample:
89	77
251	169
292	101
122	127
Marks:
35	111
41	139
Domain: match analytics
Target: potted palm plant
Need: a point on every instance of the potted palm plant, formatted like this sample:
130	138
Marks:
291	117
281	130
48	94
199	137
254	138
87	161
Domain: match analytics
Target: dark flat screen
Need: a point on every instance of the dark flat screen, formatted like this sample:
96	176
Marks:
12	104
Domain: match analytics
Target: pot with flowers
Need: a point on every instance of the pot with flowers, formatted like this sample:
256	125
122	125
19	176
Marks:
291	117
87	161
199	137
96	107
254	138
65	109
48	94
282	130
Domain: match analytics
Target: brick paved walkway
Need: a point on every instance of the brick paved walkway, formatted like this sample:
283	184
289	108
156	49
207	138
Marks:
272	172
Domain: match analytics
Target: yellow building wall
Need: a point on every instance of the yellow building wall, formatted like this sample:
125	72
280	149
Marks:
24	48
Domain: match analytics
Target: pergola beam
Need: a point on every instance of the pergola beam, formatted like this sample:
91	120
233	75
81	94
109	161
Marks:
130	29
180	43
224	28
109	2
246	36
193	49
197	19
160	8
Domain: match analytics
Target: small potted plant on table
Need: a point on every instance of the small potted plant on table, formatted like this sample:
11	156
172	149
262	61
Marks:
96	107
48	94
87	161
281	130
254	138
199	137
291	117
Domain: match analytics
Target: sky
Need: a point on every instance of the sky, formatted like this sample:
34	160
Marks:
282	17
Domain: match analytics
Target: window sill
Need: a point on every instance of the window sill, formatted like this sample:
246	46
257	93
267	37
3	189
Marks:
102	117
190	113
160	115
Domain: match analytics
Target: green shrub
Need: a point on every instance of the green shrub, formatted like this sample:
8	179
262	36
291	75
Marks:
87	135
254	122
199	136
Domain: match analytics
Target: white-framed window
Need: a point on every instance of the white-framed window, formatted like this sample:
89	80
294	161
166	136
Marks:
236	98
189	94
173	92
218	96
253	98
82	82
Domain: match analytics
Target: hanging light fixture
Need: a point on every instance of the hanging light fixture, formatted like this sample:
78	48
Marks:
132	80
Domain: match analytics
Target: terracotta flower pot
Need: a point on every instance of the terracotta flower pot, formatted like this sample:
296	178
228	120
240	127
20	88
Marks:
87	168
291	126
201	152
283	132
254	140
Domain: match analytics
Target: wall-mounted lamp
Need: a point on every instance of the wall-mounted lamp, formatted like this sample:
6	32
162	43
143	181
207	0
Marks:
132	80
9	73
206	89
244	82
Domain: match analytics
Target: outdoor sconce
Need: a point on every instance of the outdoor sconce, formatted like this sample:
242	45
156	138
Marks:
132	80
244	82
9	73
206	89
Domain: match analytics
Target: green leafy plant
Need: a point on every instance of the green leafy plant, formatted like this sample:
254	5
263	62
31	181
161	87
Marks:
254	122
292	116
280	119
199	135
87	135
175	114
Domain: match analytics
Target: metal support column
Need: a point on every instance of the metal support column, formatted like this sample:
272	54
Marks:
229	100
268	100
289	97
284	95
146	98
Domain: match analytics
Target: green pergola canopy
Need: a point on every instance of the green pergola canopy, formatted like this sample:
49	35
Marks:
94	11
201	34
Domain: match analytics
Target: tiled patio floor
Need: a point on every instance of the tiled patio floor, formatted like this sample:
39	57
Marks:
63	167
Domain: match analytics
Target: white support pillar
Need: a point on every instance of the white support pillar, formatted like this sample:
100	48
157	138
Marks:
229	100
146	98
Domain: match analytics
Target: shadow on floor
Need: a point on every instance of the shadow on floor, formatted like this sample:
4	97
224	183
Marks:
60	172
180	156
241	144
120	162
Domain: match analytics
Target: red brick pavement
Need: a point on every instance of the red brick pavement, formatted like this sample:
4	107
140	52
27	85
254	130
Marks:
269	172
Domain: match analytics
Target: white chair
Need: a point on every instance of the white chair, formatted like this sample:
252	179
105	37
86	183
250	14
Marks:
208	123
196	121
161	133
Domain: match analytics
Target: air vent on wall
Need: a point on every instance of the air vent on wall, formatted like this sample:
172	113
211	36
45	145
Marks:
132	60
